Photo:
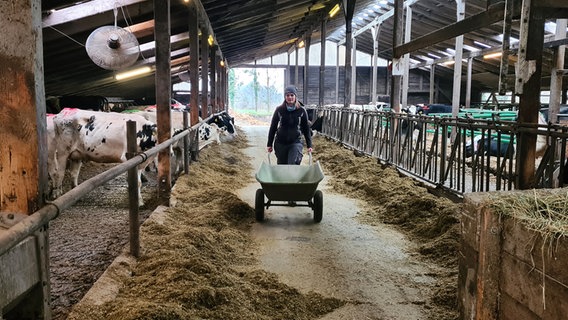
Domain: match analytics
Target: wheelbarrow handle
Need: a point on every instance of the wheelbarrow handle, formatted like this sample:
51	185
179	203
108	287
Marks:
269	153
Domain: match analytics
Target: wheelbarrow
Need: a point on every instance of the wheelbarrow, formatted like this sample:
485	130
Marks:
289	185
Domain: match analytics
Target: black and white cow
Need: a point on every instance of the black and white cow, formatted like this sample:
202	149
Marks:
82	135
226	124
410	126
315	120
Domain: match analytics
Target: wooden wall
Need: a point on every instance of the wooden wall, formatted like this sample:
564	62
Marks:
507	271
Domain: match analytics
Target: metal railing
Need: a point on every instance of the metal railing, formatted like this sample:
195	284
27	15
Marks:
458	154
19	231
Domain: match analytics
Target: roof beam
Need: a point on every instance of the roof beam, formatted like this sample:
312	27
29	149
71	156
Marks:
83	10
493	14
378	20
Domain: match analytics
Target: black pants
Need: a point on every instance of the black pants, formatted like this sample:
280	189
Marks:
288	153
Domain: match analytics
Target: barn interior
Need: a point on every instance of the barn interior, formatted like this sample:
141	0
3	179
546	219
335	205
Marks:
243	32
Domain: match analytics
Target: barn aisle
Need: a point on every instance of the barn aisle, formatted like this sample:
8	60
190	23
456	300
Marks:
286	267
340	257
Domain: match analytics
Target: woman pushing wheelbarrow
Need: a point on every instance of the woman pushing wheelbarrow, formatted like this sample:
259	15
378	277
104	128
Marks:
288	181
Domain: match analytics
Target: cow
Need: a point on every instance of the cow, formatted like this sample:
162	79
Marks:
410	125
316	124
493	147
225	124
83	135
224	120
562	112
210	131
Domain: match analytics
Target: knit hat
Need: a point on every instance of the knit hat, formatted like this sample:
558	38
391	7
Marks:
291	89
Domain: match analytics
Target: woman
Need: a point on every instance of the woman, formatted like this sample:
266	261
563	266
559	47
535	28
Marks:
289	122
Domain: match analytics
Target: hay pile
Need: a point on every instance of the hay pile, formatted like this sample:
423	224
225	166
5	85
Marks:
543	212
394	199
198	263
430	221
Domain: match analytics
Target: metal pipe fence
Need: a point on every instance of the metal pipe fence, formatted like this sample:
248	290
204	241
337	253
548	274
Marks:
19	231
457	154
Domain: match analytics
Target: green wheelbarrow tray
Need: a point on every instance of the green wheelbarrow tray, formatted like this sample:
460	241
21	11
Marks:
283	182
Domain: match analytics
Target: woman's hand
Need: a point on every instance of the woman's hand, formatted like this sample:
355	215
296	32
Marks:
269	149
310	150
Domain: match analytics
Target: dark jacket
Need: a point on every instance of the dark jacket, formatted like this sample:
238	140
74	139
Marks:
287	126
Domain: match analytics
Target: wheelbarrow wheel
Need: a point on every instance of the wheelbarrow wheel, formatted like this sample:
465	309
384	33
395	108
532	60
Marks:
318	206
259	205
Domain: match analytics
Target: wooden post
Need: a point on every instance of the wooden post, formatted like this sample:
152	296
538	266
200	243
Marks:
305	87
322	63
396	63
555	76
194	63
296	76
353	71
468	83
348	9
456	92
23	152
528	74
23	156
204	74
213	79
337	74
479	259
504	68
185	145
133	187
406	58
375	33
432	83
163	94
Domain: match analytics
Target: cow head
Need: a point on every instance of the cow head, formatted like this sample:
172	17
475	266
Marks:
223	120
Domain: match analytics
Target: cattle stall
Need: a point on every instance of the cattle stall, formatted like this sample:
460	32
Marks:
24	244
439	150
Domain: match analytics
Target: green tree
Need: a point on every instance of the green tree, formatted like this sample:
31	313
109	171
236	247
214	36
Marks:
268	89
255	85
232	87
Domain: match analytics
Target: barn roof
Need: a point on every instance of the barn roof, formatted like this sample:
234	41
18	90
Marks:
255	29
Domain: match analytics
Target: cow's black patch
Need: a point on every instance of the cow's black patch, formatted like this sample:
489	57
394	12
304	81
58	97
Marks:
90	124
204	132
147	137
